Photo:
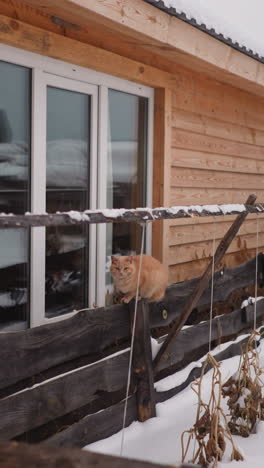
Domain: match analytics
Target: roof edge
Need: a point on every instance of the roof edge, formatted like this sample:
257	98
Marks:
202	27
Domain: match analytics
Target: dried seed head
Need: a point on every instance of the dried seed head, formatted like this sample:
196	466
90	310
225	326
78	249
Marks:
236	455
202	426
211	450
221	441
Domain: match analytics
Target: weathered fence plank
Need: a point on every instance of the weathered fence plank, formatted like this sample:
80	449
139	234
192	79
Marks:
34	407
95	426
91	332
88	332
109	421
47	401
225	282
18	455
142	362
195	337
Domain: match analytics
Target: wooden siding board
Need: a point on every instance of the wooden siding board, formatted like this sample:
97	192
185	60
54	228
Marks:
209	144
210	196
185	234
184	271
186	177
197	250
216	162
199	123
217	157
197	93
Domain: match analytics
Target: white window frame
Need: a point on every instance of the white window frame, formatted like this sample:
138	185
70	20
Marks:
38	179
68	76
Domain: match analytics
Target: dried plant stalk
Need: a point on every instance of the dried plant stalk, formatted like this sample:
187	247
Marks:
210	431
244	390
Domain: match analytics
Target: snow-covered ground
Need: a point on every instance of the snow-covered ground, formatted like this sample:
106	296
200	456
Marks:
159	439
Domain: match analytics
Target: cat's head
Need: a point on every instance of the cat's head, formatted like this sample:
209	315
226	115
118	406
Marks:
122	267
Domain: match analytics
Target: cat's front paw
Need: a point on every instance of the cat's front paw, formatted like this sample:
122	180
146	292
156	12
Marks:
126	299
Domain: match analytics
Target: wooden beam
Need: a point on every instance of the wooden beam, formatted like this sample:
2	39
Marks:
142	362
132	18
84	29
124	216
161	168
18	34
18	455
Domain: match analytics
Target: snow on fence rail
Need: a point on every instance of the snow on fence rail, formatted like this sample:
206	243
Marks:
9	220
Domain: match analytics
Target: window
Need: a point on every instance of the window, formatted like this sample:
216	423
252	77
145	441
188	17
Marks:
126	163
67	188
70	139
15	105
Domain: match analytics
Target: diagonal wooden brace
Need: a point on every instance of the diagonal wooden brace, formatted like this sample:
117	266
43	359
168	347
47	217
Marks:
201	285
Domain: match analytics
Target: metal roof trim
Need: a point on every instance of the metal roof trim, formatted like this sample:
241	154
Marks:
202	27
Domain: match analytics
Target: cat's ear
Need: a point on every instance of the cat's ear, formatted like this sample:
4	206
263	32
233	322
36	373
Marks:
114	259
130	259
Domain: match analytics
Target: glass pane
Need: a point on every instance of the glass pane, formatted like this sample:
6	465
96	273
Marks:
126	178
15	104
68	148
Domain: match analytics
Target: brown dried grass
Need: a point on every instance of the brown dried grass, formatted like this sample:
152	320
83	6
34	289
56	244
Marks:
244	391
210	431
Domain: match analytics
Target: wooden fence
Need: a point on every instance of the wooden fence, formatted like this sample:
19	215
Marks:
63	384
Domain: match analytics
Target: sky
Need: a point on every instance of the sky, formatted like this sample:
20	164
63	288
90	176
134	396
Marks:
241	20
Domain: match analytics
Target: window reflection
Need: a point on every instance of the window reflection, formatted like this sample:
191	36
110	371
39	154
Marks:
126	178
15	103
68	123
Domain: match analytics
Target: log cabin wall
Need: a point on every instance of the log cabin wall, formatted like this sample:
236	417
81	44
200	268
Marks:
209	133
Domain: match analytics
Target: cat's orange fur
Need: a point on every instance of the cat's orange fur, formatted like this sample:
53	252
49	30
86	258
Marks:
153	277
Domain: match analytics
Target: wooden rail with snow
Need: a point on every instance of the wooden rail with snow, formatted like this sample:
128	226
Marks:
124	216
63	383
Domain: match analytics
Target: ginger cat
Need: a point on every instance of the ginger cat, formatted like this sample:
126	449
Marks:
153	277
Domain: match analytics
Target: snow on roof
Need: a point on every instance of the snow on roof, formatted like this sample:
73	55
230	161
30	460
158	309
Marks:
239	23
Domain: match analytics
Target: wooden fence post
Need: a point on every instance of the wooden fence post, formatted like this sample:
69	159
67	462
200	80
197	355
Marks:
142	362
